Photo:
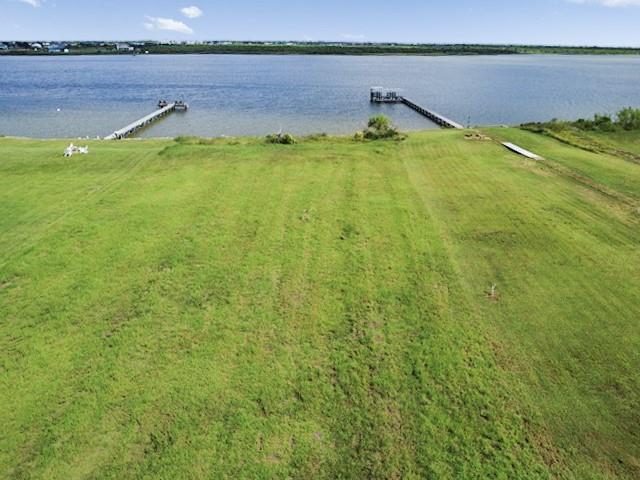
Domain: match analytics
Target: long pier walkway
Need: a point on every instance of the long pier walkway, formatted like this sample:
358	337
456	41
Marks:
165	109
379	96
431	115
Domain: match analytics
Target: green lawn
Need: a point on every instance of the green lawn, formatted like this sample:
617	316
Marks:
230	309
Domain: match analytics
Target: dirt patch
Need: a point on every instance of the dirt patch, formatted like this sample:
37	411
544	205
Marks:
543	443
7	282
620	211
477	136
535	167
503	359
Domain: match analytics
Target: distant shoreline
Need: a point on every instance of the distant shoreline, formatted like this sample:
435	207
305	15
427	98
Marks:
141	48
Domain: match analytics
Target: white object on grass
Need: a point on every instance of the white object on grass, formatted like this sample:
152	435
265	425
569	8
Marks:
72	150
521	151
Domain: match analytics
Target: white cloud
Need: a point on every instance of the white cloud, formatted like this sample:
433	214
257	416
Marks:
159	23
610	3
192	12
33	3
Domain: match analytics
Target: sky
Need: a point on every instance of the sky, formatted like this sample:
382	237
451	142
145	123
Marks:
548	22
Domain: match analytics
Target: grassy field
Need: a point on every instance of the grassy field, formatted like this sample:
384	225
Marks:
230	309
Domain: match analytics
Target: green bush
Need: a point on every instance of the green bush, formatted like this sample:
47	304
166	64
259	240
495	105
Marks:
629	118
378	128
379	122
281	139
604	123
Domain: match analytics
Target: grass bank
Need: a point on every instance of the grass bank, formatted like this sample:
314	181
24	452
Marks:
229	308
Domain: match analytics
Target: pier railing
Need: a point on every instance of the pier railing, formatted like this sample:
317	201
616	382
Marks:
378	95
165	109
431	115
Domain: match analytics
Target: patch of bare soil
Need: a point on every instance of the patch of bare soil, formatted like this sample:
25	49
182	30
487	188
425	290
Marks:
544	445
477	136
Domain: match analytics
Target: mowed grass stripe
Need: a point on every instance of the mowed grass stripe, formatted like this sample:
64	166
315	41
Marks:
565	271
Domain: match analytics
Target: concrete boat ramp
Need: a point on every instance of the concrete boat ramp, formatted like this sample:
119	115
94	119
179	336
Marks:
521	151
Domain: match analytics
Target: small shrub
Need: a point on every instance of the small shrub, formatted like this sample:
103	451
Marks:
379	128
379	122
604	123
281	139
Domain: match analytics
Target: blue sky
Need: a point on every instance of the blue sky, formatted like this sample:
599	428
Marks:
570	22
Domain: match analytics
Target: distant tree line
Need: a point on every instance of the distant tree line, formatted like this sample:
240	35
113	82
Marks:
312	48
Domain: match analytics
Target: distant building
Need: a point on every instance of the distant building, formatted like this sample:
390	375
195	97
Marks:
124	47
36	46
57	48
3	47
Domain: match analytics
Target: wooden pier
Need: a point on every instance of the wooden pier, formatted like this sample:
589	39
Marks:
431	115
379	96
164	108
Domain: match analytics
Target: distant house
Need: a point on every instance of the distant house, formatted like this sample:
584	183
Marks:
3	47
124	47
57	48
36	46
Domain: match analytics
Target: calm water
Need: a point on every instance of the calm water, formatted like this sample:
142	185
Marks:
255	95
